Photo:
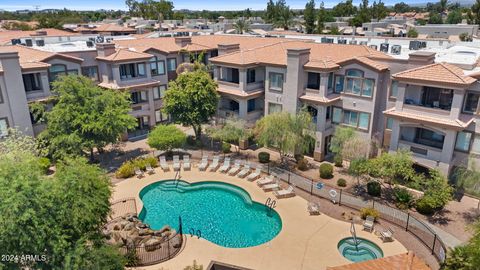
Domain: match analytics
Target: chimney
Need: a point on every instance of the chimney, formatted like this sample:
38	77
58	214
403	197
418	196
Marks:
295	77
105	49
183	41
421	58
226	48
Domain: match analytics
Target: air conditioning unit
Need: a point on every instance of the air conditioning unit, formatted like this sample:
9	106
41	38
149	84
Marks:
323	40
29	42
384	47
40	42
90	43
363	43
414	45
396	49
352	42
99	39
342	41
16	41
373	46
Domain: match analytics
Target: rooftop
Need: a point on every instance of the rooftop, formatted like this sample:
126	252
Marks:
30	58
7	36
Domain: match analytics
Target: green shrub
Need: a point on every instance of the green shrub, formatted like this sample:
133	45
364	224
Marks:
126	170
374	188
425	205
298	157
338	160
342	182
326	171
302	164
226	147
44	164
364	212
264	157
403	198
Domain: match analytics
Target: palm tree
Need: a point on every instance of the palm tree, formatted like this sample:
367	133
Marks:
241	26
285	18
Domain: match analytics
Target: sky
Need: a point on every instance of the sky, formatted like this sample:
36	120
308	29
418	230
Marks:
179	4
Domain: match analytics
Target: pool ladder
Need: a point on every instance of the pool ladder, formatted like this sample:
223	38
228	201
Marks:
270	204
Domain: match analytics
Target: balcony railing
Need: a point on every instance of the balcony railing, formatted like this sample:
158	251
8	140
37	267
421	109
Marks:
421	150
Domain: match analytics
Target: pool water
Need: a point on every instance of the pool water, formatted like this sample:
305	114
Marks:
221	213
366	250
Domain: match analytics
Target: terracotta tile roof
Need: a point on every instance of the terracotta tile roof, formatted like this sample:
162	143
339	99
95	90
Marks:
106	27
321	100
241	94
31	58
438	73
405	261
321	64
130	84
125	55
368	62
7	36
457	124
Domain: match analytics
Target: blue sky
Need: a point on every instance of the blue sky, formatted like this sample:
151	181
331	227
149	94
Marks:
179	4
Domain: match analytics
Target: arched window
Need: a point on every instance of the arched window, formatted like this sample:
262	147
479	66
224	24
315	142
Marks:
356	84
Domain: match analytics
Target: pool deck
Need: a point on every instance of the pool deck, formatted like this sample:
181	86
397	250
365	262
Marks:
304	243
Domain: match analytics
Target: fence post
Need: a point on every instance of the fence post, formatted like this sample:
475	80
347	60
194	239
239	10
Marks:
168	248
289	178
434	240
373	203
268	167
408	220
311	187
340	198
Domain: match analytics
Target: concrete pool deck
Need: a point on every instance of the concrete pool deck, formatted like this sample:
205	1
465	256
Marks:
305	242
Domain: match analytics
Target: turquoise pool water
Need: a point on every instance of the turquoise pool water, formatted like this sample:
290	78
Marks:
223	214
365	251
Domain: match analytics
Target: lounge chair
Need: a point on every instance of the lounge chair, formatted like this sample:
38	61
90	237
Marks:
149	169
176	163
387	235
244	172
284	193
214	165
313	208
164	164
138	173
369	223
203	164
271	187
254	175
226	165
236	168
186	163
266	180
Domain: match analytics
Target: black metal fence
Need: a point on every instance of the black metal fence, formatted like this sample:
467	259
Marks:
145	255
401	218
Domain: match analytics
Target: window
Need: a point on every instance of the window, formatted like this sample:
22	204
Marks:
90	72
129	71
276	81
330	83
389	124
429	138
313	81
160	116
471	103
351	118
3	127
32	82
251	105
437	98
250	75
357	85
171	64
1	96
329	108
463	141
139	97
230	75
476	145
339	80
157	67
394	89
364	120
57	70
274	107
159	91
337	115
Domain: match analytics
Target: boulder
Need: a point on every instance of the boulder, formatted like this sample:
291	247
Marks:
152	244
128	227
164	229
143	232
177	241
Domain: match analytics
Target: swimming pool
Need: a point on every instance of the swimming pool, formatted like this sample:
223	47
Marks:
365	250
221	213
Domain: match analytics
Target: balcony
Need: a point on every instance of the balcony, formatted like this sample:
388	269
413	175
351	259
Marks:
422	142
430	99
227	113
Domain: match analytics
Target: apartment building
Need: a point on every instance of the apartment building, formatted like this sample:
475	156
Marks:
411	102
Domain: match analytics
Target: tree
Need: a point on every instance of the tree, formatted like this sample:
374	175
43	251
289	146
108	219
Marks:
468	179
364	14
309	17
85	117
344	9
53	216
192	99
321	18
467	256
454	17
285	17
341	135
233	131
401	7
412	33
355	148
286	132
335	31
476	11
378	10
241	26
271	12
435	18
393	167
166	138
150	9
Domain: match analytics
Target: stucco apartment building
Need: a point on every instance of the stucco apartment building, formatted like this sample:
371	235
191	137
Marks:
414	103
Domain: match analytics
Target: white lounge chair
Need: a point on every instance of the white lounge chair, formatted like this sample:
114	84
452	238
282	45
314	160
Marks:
164	164
369	223
266	180
313	208
284	193
203	164
138	173
271	187
387	235
176	163
254	175
149	169
235	169
215	164
226	165
186	163
244	172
